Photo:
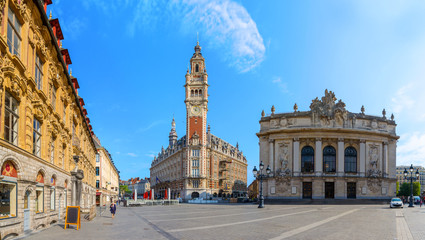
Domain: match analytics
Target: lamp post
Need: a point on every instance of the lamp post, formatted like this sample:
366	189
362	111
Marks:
411	178
261	176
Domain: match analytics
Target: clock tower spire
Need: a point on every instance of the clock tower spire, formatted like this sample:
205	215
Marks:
196	101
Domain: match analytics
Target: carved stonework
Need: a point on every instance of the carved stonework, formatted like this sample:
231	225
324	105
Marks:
326	111
282	184
374	184
2	5
194	140
284	155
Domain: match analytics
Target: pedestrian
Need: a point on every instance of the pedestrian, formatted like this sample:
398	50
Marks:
113	208
420	203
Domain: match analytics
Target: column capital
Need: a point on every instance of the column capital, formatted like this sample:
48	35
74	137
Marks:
318	139
271	140
296	139
362	140
385	143
340	139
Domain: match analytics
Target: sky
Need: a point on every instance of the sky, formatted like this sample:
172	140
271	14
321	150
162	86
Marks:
130	58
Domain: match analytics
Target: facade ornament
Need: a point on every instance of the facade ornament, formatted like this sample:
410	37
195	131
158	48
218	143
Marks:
384	113
362	110
325	110
2	5
50	16
273	109
392	117
295	107
262	113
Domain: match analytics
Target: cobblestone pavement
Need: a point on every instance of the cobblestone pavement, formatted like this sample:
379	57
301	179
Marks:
248	222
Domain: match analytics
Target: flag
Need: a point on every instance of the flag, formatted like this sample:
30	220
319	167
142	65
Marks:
150	194
166	195
157	180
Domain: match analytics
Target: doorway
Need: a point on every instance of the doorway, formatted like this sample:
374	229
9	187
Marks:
329	190
307	190
27	213
351	190
195	195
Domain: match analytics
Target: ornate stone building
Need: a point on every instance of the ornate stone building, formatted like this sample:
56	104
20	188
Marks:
107	176
199	164
43	123
328	152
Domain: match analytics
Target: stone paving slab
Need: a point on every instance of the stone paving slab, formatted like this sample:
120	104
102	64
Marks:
190	221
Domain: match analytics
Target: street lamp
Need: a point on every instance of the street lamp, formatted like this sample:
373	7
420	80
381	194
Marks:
411	178
261	176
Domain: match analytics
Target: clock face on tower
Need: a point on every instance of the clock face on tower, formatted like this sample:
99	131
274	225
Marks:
196	110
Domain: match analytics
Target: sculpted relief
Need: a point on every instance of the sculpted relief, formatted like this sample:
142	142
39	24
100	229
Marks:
325	112
283	157
373	174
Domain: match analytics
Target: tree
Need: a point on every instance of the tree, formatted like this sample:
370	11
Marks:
124	189
405	189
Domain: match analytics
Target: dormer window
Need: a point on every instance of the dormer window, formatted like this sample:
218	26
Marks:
197	68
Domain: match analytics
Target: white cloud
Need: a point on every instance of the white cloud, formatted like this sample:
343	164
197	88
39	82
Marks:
224	24
402	99
411	149
283	87
153	124
132	154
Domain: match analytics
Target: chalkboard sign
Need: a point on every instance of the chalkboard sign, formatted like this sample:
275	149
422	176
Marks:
73	216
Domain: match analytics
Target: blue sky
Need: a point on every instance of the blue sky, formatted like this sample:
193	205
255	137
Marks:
130	58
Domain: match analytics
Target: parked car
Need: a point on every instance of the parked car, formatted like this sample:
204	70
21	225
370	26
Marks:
396	202
416	199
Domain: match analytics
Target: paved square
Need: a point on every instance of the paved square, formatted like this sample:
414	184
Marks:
248	222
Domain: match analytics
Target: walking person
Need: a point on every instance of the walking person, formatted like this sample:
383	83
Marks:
113	208
420	203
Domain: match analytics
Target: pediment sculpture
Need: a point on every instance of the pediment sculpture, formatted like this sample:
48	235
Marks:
325	110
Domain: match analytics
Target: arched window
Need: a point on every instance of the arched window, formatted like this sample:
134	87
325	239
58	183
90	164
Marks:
307	159
200	93
197	68
350	160
8	190
191	93
329	159
196	92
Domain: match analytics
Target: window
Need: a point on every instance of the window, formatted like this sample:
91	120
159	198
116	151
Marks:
54	89
329	159
36	138
11	119
197	68
195	152
38	72
195	163
8	197
52	151
195	172
97	157
52	199
195	184
39	199
13	33
97	183
97	171
350	160
307	159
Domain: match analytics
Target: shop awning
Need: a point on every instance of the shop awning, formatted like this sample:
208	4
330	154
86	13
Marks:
98	193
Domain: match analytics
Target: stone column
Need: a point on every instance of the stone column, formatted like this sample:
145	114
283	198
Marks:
385	160
271	156
296	158
153	194
340	164
73	188
362	157
318	158
169	194
135	194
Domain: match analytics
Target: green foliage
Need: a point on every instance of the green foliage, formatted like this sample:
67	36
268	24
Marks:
405	189
416	189
124	189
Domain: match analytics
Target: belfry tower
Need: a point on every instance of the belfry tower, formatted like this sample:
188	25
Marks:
196	117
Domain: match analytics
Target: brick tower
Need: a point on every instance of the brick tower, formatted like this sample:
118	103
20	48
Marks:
196	117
